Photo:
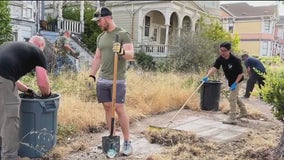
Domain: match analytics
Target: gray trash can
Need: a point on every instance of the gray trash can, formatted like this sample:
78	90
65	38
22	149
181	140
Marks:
210	95
38	125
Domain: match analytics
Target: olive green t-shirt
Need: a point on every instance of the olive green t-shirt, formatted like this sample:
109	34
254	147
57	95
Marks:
104	43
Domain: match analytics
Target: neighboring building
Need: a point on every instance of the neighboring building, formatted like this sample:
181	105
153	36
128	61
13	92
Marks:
279	37
23	19
255	26
156	25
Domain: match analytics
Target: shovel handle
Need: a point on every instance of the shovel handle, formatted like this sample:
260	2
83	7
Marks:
114	88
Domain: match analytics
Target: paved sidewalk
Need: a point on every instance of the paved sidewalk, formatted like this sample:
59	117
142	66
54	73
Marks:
213	130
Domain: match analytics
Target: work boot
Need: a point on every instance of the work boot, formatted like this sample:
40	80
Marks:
230	120
243	111
127	148
243	114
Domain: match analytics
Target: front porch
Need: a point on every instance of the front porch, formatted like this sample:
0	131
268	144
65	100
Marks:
156	26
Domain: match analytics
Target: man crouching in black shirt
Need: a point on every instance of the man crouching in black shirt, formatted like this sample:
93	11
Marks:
16	60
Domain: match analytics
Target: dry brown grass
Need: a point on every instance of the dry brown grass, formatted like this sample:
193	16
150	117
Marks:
184	145
147	94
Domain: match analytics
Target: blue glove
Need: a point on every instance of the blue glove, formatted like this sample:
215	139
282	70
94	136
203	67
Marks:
205	79
233	86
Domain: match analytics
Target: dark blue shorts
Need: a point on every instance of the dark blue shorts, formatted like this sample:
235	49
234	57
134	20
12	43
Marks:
104	92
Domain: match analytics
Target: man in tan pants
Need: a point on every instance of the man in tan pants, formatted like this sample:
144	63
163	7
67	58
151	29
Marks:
16	60
233	71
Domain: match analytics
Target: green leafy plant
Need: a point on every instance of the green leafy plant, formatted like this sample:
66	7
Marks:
5	25
271	60
198	50
91	29
145	61
273	91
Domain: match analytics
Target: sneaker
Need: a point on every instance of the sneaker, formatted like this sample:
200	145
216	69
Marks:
230	121
127	148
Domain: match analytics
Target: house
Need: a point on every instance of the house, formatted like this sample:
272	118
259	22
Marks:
255	26
155	26
279	37
28	18
23	19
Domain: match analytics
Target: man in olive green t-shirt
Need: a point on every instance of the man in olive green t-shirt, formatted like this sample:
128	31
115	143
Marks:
104	59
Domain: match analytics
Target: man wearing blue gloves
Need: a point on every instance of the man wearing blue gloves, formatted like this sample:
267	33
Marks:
234	73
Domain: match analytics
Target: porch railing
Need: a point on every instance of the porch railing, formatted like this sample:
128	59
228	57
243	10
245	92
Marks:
70	25
159	50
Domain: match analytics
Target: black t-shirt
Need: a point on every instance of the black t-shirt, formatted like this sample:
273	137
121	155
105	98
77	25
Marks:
19	58
232	67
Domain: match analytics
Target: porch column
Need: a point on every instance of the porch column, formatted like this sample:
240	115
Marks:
179	30
60	17
82	16
167	38
193	25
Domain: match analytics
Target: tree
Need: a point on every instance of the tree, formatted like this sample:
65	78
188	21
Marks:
198	50
91	29
216	32
5	25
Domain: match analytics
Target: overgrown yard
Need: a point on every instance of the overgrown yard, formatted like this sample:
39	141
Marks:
151	93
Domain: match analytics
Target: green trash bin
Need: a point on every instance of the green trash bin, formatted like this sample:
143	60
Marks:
210	95
38	125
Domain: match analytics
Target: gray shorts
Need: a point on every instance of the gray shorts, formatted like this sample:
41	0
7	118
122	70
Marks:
104	92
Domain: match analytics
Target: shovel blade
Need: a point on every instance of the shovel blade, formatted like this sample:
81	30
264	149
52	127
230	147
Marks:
111	145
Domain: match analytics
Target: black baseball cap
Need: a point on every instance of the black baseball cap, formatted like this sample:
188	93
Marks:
101	12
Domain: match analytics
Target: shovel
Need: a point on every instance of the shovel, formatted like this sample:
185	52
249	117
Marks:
111	143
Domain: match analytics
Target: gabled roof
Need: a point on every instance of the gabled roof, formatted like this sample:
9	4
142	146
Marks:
196	5
243	9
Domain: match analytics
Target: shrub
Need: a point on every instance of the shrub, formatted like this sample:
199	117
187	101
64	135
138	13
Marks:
195	52
145	61
273	91
271	60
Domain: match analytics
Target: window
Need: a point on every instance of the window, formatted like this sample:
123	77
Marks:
27	13
147	26
155	32
264	49
266	26
15	11
231	26
15	36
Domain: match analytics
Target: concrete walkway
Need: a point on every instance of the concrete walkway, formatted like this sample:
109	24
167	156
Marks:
209	127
